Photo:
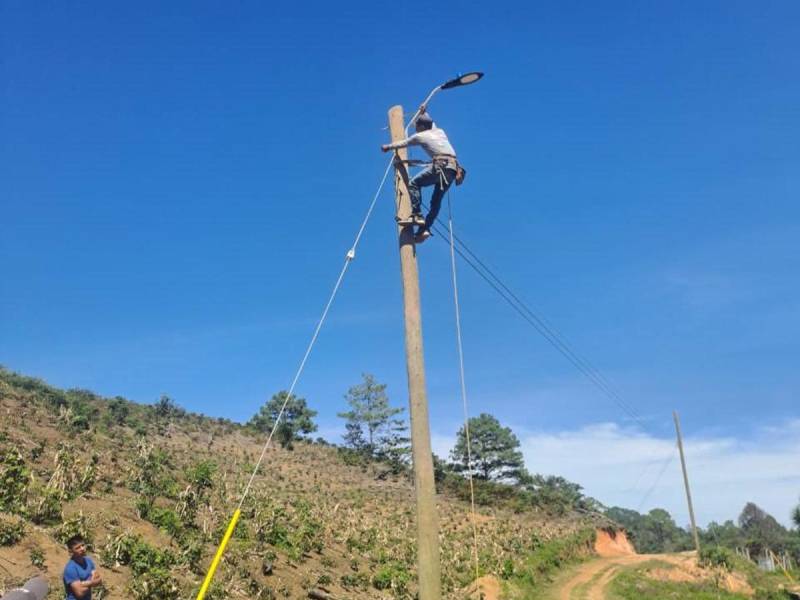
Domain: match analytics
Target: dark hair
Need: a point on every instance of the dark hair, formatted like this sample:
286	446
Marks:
424	121
74	541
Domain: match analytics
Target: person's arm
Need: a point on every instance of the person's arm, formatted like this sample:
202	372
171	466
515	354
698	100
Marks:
79	588
410	141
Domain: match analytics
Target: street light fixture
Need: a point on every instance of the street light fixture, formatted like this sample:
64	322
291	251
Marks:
459	81
465	79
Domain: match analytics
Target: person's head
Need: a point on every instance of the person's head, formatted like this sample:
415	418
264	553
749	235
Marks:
76	546
423	122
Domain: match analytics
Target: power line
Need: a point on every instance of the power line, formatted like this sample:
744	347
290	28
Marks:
667	463
557	340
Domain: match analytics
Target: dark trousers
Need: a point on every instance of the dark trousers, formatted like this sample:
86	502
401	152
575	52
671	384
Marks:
440	178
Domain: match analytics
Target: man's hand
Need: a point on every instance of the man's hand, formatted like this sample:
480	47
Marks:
95	579
422	109
385	148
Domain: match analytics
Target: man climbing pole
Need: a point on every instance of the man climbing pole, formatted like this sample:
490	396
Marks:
441	172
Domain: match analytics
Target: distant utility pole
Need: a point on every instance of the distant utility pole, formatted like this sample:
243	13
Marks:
686	484
428	565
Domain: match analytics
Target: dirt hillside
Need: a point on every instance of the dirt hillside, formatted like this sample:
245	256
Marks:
153	493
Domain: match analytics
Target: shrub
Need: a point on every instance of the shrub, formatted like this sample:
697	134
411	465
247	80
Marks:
77	525
47	510
118	411
165	519
37	557
716	556
12	530
392	576
131	550
156	583
14	480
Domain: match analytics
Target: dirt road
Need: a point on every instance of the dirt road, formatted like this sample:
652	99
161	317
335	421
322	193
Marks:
591	580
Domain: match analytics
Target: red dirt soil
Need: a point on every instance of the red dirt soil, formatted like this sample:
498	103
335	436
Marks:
613	543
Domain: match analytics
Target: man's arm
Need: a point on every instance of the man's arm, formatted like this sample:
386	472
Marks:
79	588
410	141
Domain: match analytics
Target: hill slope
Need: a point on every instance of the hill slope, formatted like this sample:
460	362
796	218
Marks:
152	488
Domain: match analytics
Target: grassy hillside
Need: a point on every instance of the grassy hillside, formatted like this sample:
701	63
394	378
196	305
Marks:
152	489
739	580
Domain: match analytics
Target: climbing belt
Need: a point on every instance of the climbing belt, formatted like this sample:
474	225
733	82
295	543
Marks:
463	387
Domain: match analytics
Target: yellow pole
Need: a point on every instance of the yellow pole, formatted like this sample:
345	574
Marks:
218	556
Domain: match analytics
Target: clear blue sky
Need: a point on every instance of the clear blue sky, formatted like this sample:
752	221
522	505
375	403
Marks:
179	184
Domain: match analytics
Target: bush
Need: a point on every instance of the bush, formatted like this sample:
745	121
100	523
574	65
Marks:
37	557
392	576
47	510
131	550
156	583
716	556
118	411
77	525
12	530
14	479
166	519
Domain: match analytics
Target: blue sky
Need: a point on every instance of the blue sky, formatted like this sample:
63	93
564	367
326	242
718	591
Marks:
179	184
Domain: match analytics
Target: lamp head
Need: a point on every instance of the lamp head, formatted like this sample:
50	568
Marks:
465	79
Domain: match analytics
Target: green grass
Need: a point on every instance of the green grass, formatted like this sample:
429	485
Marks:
541	566
634	584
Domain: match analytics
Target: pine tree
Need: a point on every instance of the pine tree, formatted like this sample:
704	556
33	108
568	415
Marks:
297	418
372	424
494	449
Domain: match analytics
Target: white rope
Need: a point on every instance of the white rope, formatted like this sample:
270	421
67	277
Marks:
351	254
463	386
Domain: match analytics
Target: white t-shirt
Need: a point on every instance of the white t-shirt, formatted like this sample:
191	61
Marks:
434	141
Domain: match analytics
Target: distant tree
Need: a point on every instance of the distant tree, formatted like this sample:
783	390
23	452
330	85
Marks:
394	445
296	421
372	425
553	493
727	535
494	451
796	515
118	410
761	530
166	408
652	533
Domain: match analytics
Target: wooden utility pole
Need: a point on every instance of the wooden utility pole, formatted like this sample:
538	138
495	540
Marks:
686	483
428	565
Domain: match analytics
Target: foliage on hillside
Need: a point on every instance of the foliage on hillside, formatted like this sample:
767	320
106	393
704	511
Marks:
723	576
151	488
656	532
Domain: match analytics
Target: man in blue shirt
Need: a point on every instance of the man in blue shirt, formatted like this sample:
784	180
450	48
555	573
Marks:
80	574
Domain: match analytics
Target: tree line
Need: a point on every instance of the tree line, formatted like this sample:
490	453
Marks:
376	431
755	529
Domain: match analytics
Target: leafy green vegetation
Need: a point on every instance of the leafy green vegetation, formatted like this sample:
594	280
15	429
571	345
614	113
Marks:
653	532
716	557
755	531
296	420
493	451
538	567
374	430
157	486
633	584
12	530
14	481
